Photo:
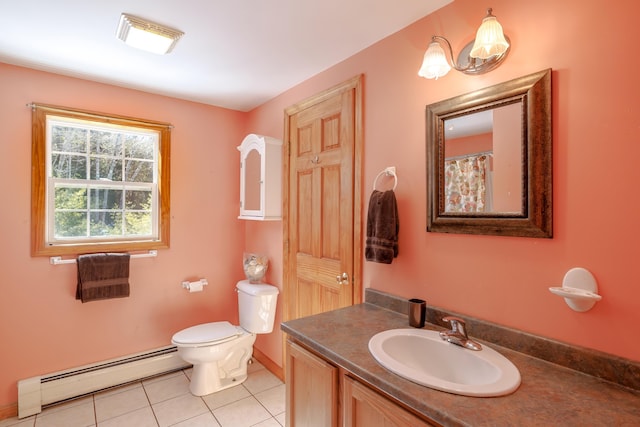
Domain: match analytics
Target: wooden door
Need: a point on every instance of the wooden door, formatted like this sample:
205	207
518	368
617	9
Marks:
322	202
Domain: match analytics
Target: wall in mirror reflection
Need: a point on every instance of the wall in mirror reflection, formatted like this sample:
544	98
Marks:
483	161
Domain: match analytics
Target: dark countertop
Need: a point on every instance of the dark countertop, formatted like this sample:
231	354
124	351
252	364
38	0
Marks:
549	394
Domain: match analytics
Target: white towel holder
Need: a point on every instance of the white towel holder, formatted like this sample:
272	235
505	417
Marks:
388	171
58	260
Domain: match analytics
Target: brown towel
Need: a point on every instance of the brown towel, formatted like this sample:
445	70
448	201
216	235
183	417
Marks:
382	227
102	276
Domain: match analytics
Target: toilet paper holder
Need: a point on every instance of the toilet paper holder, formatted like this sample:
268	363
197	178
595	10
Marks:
196	286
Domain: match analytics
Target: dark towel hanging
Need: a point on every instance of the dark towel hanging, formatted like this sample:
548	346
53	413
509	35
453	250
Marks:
102	276
382	227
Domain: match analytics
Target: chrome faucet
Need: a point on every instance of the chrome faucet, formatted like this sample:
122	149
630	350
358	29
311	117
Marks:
458	334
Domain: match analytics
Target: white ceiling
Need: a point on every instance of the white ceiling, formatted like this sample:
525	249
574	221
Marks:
236	54
469	124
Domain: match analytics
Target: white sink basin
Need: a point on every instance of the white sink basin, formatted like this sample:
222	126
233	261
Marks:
421	356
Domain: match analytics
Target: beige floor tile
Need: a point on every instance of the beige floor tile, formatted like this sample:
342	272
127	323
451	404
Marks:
261	380
162	377
273	399
15	422
115	404
255	366
76	415
181	408
169	388
271	422
188	372
204	420
226	396
139	418
243	413
172	405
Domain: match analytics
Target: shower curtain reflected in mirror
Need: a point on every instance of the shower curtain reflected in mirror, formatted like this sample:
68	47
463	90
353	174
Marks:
467	184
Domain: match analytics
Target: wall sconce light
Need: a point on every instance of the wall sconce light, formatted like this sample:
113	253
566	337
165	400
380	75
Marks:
485	53
147	35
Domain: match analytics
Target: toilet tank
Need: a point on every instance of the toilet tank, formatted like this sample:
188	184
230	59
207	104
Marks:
257	306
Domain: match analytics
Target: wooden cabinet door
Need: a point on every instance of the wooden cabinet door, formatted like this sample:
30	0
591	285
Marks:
365	408
311	389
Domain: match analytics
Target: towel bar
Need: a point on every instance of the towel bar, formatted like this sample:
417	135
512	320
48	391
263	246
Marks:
57	260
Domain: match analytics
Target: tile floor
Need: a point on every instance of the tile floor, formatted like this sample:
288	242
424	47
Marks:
166	401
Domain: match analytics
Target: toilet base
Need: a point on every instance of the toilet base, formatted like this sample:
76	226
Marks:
218	367
205	380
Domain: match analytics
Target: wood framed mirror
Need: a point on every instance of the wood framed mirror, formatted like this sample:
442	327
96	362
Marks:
489	160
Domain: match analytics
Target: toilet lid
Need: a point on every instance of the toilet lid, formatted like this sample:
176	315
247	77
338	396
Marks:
206	333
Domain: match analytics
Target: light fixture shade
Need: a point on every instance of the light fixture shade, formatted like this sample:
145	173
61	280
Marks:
435	63
147	35
490	40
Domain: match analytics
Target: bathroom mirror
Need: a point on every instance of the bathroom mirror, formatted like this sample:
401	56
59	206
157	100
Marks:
489	167
252	180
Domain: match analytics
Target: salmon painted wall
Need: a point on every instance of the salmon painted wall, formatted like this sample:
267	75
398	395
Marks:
596	123
466	145
507	176
42	327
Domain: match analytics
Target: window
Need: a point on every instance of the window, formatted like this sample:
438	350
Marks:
99	182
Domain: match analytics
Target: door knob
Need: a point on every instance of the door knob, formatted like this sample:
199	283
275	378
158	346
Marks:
343	279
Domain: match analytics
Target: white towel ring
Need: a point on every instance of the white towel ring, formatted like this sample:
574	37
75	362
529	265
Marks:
390	171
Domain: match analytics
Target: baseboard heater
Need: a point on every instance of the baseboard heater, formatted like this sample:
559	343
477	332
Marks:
36	392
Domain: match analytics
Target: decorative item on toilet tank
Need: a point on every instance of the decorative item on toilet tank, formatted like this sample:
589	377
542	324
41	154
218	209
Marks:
255	267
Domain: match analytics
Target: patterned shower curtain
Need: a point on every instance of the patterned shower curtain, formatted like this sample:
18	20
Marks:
465	184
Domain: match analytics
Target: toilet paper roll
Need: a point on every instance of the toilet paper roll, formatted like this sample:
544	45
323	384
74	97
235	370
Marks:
195	287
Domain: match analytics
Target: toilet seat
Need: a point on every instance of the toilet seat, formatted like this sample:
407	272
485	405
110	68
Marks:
207	334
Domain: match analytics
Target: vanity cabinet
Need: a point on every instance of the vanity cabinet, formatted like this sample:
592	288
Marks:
260	178
323	395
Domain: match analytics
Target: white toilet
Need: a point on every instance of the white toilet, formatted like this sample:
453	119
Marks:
220	351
